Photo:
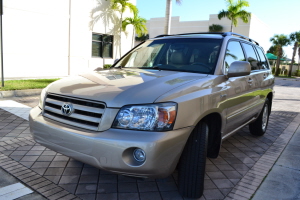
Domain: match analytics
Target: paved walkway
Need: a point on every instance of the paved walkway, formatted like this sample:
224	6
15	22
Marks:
237	173
11	188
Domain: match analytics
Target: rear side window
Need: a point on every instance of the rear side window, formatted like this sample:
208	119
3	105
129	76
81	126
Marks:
263	64
234	52
251	56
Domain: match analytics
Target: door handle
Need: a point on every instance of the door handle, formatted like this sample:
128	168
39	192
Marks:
250	81
265	76
223	95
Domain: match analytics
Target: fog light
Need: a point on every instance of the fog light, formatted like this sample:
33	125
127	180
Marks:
139	155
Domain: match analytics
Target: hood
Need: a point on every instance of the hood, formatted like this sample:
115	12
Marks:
119	87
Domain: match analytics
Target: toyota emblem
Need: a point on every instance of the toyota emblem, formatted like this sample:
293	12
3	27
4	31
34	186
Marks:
67	109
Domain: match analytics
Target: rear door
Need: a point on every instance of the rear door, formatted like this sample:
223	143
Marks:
238	90
258	74
267	78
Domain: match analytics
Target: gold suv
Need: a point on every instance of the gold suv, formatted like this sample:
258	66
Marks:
166	104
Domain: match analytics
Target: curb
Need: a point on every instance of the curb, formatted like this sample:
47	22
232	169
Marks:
20	93
289	79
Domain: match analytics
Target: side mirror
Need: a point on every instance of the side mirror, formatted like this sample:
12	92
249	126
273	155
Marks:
239	68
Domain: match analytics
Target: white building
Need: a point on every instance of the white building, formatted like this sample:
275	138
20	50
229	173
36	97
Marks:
255	28
55	38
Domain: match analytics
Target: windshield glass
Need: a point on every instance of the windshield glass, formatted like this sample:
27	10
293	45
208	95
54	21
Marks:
186	54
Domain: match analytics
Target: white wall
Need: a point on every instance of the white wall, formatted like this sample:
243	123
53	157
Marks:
242	28
155	26
106	22
260	32
36	40
255	28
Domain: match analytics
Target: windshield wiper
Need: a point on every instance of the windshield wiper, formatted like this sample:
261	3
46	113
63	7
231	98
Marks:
155	67
120	67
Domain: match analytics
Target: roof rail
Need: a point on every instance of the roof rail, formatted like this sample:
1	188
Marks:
241	36
219	33
164	35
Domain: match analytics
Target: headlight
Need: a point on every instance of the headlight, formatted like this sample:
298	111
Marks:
152	117
42	98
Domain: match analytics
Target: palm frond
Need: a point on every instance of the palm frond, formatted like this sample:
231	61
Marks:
234	21
241	3
244	15
234	11
122	5
295	37
178	2
229	3
132	8
223	14
137	22
280	40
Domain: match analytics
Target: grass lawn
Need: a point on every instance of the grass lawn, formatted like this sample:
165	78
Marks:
26	84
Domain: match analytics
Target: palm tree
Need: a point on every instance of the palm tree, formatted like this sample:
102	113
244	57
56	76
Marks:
169	15
139	26
273	50
279	41
235	11
121	6
298	58
294	37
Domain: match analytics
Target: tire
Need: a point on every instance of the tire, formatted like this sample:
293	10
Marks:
191	168
259	127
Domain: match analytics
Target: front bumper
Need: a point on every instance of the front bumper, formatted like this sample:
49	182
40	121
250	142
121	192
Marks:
112	149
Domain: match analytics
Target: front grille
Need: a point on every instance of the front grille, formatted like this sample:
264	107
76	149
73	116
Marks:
86	114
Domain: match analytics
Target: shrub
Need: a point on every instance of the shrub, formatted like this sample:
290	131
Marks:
278	70
142	38
215	28
297	73
273	70
107	66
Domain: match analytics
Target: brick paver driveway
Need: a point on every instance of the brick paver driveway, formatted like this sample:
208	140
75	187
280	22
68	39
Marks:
238	171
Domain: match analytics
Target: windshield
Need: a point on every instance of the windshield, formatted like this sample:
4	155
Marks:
186	54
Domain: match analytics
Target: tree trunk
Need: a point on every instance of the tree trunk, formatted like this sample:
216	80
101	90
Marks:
278	61
293	58
132	37
231	29
120	35
298	58
168	17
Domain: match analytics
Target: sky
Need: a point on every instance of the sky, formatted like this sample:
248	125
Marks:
282	17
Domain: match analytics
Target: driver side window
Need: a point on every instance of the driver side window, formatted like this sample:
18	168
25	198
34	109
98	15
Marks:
234	52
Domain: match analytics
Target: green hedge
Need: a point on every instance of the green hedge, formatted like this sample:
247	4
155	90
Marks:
107	66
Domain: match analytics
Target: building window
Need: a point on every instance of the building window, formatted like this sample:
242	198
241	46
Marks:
102	45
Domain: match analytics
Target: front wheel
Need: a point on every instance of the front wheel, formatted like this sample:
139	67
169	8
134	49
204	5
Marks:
191	168
259	127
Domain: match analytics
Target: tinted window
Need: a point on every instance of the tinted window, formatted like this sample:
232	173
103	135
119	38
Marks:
251	56
102	45
234	52
263	64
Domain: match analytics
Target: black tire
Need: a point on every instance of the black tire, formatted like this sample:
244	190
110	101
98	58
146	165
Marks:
191	168
259	127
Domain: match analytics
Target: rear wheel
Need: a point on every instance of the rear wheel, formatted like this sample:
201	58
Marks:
259	127
191	168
